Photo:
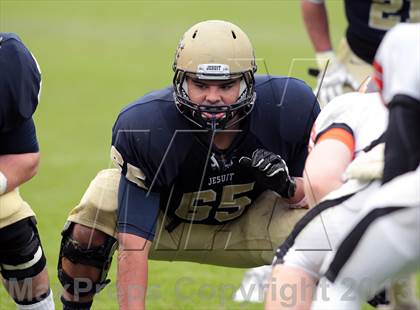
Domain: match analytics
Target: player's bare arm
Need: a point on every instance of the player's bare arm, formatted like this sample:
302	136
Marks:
315	17
132	271
17	169
324	169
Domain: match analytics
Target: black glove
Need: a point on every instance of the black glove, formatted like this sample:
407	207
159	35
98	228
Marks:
271	171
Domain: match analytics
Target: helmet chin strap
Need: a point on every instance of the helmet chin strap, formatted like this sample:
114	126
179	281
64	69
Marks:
213	124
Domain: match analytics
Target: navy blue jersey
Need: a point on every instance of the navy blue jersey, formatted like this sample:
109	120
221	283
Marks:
369	20
161	151
20	83
19	140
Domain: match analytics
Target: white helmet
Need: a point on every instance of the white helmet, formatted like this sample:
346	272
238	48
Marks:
215	50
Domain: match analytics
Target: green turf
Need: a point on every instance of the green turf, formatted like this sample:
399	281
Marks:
97	56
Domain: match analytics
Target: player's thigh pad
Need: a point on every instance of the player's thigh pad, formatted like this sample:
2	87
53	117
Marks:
13	208
98	207
356	66
320	230
248	241
21	254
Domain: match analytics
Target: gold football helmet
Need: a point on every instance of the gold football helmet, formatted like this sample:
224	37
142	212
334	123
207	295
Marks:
215	50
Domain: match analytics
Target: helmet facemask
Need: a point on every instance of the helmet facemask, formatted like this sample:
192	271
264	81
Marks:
214	116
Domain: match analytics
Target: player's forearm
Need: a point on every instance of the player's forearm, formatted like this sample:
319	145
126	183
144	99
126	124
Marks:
324	169
316	23
18	168
290	276
132	271
316	190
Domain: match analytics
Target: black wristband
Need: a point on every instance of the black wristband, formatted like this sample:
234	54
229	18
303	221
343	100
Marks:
289	189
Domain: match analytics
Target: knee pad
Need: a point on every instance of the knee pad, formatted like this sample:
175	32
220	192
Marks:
21	254
99	257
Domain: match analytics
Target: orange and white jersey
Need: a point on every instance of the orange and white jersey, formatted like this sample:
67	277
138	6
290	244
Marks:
398	73
356	119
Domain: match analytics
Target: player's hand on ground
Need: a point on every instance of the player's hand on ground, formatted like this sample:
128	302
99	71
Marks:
336	77
271	171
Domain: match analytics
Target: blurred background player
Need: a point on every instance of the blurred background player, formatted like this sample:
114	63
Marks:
22	261
383	244
368	22
209	171
347	130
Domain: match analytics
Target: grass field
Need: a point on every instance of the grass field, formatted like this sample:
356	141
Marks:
97	56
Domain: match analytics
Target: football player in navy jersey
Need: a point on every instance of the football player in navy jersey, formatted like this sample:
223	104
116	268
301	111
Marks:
208	170
368	22
22	261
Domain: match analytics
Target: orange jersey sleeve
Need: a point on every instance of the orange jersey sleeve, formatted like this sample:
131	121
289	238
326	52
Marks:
339	134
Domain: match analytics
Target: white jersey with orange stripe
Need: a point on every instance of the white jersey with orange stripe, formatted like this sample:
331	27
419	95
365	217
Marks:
356	119
363	116
359	119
